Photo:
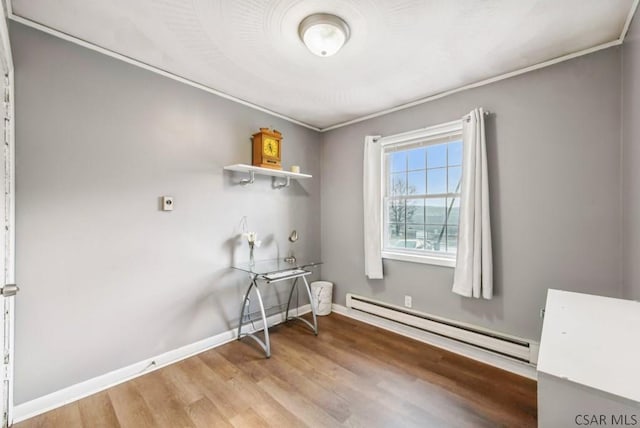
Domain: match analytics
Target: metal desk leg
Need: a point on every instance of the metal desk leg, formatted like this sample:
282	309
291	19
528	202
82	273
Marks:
314	326
266	344
313	309
244	305
293	286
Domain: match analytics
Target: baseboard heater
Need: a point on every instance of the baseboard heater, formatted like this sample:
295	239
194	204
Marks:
520	349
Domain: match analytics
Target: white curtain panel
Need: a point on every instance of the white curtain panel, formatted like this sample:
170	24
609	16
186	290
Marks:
473	275
372	200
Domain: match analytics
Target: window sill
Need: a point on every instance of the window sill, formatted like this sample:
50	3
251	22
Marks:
415	258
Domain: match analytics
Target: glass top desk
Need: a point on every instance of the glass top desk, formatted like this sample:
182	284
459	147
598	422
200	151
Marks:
272	271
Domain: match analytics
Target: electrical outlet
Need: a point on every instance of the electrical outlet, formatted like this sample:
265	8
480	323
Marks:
407	301
167	203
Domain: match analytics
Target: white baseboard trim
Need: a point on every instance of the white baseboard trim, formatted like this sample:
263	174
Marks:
83	389
487	357
88	387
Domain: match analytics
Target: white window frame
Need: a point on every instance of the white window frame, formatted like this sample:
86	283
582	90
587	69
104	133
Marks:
408	138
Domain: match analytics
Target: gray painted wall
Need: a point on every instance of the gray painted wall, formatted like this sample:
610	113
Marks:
106	278
554	159
631	160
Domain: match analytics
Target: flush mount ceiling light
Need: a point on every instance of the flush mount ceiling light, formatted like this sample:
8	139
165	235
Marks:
323	34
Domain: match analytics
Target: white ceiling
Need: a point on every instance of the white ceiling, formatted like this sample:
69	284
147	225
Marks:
399	50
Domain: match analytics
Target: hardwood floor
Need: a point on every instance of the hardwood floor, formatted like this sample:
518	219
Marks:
352	374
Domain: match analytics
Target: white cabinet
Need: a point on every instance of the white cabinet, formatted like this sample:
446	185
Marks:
589	361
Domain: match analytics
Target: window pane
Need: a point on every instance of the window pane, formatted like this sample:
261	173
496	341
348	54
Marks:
398	161
398	184
436	210
396	212
396	235
455	174
435	237
417	184
453	209
455	153
452	239
415	211
415	236
417	158
418	215
437	156
436	181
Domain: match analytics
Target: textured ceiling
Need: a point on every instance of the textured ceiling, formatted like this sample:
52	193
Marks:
399	51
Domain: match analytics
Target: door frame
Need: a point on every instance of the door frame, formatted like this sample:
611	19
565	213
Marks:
7	229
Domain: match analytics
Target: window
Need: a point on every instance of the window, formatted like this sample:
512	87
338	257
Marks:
422	174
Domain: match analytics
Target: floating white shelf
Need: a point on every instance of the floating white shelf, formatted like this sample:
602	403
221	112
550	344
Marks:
252	170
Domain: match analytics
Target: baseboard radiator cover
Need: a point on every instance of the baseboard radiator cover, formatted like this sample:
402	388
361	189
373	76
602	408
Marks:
509	346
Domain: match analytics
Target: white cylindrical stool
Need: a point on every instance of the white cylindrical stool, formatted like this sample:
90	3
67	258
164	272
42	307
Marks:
322	292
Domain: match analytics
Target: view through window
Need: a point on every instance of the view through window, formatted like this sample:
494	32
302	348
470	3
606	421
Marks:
422	197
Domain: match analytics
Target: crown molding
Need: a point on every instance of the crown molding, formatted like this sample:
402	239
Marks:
476	84
157	70
92	46
627	23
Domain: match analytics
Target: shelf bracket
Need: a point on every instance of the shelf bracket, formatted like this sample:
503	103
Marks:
249	180
283	184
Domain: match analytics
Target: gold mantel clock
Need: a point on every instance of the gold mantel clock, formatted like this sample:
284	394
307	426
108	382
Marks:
266	149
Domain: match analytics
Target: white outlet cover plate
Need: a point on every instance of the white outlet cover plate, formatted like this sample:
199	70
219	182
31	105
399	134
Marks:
167	203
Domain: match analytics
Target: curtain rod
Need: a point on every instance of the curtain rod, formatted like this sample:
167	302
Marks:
468	116
486	113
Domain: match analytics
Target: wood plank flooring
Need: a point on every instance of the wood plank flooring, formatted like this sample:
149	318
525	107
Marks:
352	374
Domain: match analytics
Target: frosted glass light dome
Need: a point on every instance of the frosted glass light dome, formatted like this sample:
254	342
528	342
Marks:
323	34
